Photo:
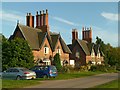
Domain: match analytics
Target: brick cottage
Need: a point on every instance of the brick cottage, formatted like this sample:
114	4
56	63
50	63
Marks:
44	43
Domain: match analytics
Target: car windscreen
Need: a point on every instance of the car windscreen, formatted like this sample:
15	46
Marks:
53	68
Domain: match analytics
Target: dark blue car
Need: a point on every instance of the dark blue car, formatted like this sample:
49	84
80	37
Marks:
45	71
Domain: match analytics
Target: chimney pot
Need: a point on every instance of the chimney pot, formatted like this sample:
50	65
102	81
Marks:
37	12
40	12
43	11
29	13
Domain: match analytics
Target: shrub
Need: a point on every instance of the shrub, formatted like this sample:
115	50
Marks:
83	68
67	69
93	68
16	53
103	68
57	62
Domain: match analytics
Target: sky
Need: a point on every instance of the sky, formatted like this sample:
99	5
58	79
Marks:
65	16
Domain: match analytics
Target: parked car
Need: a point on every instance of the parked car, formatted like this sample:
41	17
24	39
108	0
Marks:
18	73
45	71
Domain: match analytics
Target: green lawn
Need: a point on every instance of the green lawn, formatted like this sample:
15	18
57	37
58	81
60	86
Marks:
64	76
112	84
61	76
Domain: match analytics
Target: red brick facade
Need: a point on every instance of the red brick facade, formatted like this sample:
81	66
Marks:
41	39
81	49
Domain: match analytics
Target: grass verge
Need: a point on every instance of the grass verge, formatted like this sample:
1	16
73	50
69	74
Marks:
112	84
61	76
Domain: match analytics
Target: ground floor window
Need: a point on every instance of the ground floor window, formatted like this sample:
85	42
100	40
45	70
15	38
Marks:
98	62
47	62
93	63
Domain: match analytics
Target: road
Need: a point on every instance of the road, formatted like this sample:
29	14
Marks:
86	82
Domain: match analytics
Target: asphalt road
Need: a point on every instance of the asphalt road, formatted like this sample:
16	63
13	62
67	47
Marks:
86	82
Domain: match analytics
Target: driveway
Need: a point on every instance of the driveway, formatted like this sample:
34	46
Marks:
85	82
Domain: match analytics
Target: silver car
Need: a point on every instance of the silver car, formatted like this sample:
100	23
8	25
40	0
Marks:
18	73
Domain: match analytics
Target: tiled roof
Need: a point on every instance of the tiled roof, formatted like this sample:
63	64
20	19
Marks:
95	47
31	35
87	47
54	38
36	37
84	46
64	46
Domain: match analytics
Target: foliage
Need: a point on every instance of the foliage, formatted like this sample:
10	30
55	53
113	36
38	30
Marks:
16	53
75	69
84	68
57	62
103	68
111	54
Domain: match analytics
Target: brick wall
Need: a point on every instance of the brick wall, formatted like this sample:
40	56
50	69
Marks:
82	59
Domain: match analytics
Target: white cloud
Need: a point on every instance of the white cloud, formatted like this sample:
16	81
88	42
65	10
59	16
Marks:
110	16
65	21
11	16
105	35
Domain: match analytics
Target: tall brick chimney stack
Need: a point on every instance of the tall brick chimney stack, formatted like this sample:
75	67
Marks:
46	18
74	35
87	34
42	21
30	20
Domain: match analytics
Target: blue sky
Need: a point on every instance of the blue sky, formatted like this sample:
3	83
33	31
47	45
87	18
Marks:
63	17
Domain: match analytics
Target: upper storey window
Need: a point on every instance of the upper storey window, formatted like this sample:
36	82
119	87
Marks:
92	53
46	49
59	50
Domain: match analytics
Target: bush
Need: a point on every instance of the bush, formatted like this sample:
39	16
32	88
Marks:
93	68
67	69
84	68
16	53
57	62
103	68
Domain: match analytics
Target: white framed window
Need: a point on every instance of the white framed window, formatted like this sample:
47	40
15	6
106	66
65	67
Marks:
99	63
93	53
72	63
77	54
46	50
47	61
59	51
93	63
98	55
62	63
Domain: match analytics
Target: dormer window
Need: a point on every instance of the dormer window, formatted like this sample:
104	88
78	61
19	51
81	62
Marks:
46	49
98	54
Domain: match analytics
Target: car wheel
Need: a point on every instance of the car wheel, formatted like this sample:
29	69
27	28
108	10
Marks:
54	77
45	77
18	78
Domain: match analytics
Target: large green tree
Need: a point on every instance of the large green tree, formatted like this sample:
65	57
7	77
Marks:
16	53
57	62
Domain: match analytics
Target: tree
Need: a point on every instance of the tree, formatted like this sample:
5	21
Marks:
16	53
57	62
111	53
